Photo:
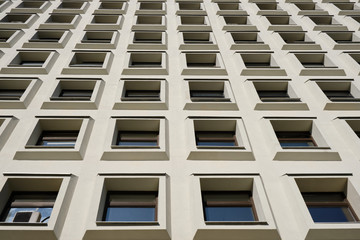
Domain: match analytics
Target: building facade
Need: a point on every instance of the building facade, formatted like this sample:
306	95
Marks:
181	120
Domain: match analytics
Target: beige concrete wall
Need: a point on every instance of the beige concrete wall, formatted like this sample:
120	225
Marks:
181	219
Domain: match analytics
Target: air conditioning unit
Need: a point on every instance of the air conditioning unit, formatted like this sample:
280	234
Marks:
29	217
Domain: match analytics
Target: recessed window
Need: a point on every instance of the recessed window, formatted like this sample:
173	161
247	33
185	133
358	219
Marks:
197	38
208	92
314	60
29	207
236	20
15	18
143	19
142	95
340	91
88	59
189	6
71	5
57	139
148	37
202	60
228	206
61	18
344	37
71	94
128	206
329	207
143	60
296	38
306	5
267	6
97	37
228	6
259	60
246	38
193	20
47	36
215	139
345	5
151	6
295	139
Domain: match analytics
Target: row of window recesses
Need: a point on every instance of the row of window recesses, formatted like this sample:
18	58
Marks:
195	7
200	94
145	138
189	40
192	63
133	203
184	22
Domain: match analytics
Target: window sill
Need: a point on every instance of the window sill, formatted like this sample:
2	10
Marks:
39	147
219	147
140	99
280	99
307	154
312	148
204	99
23	224
105	223
236	223
135	147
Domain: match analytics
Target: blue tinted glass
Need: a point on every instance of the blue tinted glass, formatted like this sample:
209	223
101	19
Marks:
59	143
45	213
229	214
295	144
137	144
129	214
216	144
328	214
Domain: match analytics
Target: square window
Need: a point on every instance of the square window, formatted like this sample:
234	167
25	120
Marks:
150	7
209	63
237	23
105	22
149	22
136	204
232	202
228	206
209	94
61	21
147	40
141	94
86	62
17	93
329	207
282	23
325	23
193	23
9	37
48	39
29	207
225	137
329	203
31	7
75	93
315	63
137	139
33	201
56	139
18	21
26	62
146	63
301	140
131	206
77	7
111	7
260	64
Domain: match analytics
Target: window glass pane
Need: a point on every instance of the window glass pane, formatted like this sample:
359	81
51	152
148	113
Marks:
11	93
142	93
207	93
296	143
214	139
75	93
330	214
45	213
229	214
128	214
272	94
58	138
137	139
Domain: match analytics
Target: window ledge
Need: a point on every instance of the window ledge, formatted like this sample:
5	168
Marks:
235	223
136	147
39	147
312	148
305	154
22	224
280	99
219	147
105	223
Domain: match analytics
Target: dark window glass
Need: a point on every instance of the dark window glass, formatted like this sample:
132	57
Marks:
22	204
87	64
131	207
257	64
329	207
70	94
228	206
215	139
142	95
11	94
295	139
32	63
314	65
58	138
208	96
138	139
